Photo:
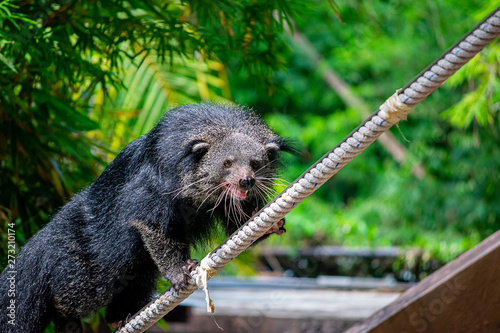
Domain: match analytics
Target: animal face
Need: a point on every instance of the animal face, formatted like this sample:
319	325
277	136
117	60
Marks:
224	156
236	168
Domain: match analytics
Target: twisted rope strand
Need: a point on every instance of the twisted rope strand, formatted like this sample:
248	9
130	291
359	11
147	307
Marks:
392	111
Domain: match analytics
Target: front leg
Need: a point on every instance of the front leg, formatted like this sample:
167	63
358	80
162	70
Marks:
169	254
277	228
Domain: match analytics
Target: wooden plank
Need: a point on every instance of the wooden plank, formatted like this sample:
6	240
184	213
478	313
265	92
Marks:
462	296
312	303
322	282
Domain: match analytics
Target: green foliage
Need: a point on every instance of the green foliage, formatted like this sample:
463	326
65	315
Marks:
80	79
152	87
373	201
65	67
482	74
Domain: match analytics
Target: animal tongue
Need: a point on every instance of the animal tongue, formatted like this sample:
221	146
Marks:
240	194
237	193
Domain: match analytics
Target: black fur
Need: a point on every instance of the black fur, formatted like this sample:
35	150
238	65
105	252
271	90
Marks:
138	219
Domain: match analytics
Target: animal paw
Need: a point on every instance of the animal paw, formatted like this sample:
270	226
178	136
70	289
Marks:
189	266
117	325
277	228
180	280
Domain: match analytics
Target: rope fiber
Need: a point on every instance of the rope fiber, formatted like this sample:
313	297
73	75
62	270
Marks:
396	108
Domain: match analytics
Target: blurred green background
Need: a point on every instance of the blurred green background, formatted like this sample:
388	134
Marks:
81	79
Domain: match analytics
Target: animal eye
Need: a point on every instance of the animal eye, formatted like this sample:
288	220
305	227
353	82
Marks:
255	165
228	163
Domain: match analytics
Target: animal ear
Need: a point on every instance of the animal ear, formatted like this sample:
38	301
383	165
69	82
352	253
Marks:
272	146
276	143
199	147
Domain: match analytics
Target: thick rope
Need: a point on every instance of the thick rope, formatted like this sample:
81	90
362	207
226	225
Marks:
392	111
201	275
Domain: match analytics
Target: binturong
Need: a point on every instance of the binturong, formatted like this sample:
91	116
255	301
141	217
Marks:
164	193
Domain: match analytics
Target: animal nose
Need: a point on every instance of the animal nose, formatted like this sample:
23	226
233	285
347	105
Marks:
247	183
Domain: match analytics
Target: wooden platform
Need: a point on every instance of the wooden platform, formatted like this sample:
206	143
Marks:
463	296
292	305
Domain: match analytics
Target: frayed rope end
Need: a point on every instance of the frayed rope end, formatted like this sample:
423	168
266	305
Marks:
203	273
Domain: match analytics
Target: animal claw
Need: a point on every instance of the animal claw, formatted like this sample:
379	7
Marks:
278	228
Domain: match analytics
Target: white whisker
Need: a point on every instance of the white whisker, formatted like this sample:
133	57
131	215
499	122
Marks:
182	188
265	165
261	194
270	179
269	191
219	199
210	194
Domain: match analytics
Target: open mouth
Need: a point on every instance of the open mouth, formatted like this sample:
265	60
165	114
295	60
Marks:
236	192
